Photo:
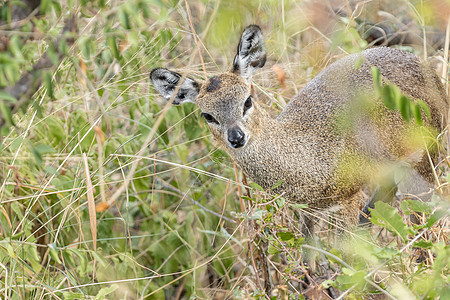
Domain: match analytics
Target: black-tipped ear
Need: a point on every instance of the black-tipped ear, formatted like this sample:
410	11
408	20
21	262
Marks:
165	82
251	52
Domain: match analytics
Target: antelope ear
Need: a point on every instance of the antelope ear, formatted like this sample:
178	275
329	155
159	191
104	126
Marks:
166	82
251	53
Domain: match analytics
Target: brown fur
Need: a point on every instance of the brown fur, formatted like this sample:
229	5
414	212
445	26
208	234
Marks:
301	147
319	160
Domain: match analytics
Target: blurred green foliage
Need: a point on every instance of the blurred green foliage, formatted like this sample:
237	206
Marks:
160	238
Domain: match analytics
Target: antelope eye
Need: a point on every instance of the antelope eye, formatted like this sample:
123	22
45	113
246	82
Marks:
247	104
209	118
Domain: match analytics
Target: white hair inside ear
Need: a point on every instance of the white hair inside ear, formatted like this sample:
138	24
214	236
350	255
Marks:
251	53
166	82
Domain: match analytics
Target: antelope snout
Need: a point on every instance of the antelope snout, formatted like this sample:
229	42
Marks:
236	137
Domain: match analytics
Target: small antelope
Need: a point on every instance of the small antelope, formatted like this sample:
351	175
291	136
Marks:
318	161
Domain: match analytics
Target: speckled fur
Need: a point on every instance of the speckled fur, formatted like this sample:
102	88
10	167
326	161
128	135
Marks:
305	148
302	147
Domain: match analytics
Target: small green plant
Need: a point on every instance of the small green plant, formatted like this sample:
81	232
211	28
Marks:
175	229
395	100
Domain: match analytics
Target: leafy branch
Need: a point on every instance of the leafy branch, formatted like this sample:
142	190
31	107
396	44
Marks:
394	99
18	95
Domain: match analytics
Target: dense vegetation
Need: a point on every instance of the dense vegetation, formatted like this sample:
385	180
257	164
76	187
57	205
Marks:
106	192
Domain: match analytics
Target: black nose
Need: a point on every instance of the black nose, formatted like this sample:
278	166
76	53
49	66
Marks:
236	137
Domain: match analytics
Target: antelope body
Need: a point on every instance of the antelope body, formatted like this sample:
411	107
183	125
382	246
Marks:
305	147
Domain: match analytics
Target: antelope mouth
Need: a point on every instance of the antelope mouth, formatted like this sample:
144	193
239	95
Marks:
236	137
239	144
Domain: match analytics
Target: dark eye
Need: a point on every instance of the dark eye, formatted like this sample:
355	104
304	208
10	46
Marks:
247	104
209	118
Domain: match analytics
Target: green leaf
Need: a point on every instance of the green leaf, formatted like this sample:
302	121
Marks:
436	216
423	244
11	72
285	236
327	283
6	113
45	6
55	129
68	258
376	78
124	18
15	47
52	53
6	96
424	107
396	93
350	278
54	253
336	253
274	247
248	198
281	202
163	132
405	107
298	205
85	43
82	256
144	9
256	186
63	48
37	155
44	149
409	206
56	7
417	113
385	252
35	262
73	296
388	98
258	214
296	243
277	184
99	258
10	250
388	217
113	47
49	84
18	211
359	61
105	291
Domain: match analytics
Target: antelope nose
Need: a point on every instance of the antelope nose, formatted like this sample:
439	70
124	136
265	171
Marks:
236	137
